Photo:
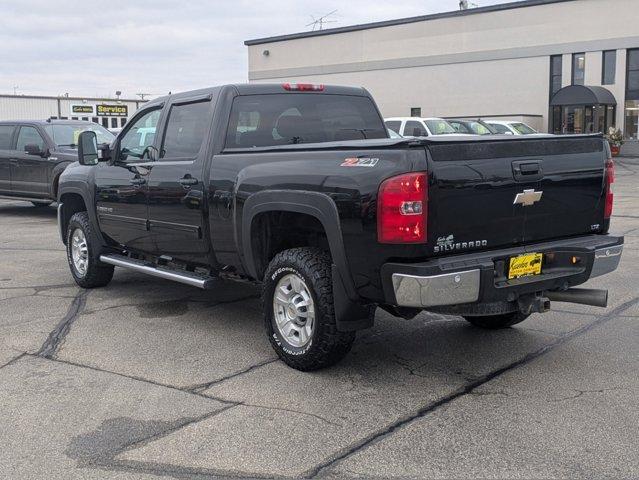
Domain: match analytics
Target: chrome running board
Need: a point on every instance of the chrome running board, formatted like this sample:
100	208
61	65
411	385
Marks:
189	278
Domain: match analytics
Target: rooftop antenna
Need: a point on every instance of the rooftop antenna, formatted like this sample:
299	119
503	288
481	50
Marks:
318	23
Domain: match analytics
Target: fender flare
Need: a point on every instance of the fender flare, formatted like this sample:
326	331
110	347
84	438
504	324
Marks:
351	312
55	176
315	204
88	203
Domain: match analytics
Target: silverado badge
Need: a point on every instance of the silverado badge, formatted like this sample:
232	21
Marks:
447	244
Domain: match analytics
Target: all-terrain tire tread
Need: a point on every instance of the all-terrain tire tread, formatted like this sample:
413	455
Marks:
98	274
330	344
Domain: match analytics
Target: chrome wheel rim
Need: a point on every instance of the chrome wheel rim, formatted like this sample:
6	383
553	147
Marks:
294	310
79	252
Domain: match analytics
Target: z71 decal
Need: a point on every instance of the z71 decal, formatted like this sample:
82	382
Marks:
359	162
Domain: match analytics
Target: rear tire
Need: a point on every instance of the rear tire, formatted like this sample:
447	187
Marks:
82	254
495	322
297	299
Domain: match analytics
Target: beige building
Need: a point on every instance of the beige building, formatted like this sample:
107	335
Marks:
108	112
502	61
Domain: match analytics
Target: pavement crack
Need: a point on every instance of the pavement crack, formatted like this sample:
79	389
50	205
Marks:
172	429
13	360
291	410
580	393
52	344
205	386
138	379
464	390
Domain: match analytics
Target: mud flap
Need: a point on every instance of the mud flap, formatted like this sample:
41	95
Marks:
349	315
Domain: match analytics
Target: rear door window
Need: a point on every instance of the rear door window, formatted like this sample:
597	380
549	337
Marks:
285	119
186	130
6	134
415	129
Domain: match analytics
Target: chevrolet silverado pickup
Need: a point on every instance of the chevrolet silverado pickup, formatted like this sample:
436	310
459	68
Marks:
298	187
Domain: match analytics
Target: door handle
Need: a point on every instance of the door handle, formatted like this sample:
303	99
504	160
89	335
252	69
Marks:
188	181
528	170
138	182
14	161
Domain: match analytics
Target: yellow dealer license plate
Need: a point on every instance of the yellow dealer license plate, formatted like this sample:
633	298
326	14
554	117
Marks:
529	264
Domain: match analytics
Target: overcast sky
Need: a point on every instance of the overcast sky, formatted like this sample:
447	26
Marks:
93	48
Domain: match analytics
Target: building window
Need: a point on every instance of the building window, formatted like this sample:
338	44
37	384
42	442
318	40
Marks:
74	118
122	122
555	74
578	68
85	119
114	123
416	112
608	67
632	95
95	120
632	119
105	122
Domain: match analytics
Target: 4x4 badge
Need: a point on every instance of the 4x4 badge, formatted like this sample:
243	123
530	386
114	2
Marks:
527	198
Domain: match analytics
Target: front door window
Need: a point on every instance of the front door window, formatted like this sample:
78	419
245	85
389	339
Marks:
139	136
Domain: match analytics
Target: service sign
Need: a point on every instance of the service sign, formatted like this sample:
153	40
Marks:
112	110
82	109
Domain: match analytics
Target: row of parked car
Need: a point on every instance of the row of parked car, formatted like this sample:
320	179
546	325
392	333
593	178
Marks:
33	154
426	127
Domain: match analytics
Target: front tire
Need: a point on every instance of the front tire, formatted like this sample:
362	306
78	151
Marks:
297	299
495	322
87	270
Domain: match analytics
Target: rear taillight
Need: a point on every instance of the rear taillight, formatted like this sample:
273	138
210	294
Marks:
609	180
302	87
402	209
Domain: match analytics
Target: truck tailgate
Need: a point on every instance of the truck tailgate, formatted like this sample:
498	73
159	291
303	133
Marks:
489	193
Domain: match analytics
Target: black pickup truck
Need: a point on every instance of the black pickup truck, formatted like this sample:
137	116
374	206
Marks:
298	186
33	154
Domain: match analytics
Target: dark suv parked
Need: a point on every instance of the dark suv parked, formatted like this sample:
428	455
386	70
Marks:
33	154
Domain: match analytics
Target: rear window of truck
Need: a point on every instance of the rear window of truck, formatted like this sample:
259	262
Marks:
285	119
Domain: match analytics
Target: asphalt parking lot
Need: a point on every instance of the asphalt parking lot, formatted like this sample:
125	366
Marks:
147	378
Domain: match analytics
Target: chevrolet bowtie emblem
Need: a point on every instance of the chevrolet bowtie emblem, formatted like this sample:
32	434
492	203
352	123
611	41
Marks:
527	198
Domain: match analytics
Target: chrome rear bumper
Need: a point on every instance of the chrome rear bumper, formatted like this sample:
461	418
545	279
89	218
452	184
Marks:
606	260
445	281
446	289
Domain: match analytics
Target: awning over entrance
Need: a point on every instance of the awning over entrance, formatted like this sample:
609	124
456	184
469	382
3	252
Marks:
583	95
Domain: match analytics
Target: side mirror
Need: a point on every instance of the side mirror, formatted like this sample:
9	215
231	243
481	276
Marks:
151	153
88	148
33	149
104	152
